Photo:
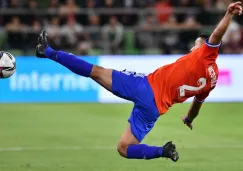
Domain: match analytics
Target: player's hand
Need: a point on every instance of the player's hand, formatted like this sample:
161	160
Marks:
184	120
235	8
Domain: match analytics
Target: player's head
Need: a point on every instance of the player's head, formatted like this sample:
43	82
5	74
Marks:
199	41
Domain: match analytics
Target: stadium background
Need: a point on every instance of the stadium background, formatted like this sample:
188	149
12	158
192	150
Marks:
52	119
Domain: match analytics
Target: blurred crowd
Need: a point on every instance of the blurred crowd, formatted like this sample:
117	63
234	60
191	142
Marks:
115	26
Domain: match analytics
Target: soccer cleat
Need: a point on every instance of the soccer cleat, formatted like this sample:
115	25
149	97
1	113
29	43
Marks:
169	151
42	44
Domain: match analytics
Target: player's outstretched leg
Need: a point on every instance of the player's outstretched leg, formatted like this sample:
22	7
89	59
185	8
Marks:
130	148
75	64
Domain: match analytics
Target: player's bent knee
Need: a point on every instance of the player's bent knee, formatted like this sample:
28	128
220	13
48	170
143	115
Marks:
122	149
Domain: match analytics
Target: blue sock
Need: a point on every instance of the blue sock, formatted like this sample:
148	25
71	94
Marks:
72	62
143	151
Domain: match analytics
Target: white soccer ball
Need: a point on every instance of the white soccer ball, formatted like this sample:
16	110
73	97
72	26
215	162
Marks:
7	65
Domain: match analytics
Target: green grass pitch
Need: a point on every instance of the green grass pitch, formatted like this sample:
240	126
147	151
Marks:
83	137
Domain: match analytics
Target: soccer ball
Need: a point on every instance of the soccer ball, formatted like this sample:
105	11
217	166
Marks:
7	65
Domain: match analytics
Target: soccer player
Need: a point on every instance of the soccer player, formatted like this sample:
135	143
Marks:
194	75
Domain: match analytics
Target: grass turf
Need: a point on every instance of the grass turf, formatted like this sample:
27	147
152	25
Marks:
83	137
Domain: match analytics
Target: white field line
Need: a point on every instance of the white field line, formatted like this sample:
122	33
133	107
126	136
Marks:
55	148
13	149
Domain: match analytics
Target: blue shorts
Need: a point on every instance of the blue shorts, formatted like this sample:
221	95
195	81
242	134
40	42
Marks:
135	87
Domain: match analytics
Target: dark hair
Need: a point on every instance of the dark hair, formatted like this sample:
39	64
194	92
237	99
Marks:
204	36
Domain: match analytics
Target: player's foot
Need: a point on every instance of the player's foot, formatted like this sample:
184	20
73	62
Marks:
169	151
42	44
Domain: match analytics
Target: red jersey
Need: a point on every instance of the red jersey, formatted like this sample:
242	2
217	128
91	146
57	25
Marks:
195	74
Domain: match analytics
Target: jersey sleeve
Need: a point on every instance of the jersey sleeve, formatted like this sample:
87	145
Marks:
203	96
210	51
210	45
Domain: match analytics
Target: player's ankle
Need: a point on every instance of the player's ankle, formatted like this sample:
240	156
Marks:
160	152
49	52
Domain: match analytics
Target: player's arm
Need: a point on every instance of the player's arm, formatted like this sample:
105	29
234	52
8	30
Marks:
195	108
218	33
192	113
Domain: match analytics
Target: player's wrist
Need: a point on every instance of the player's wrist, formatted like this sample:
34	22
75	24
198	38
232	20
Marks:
188	120
229	14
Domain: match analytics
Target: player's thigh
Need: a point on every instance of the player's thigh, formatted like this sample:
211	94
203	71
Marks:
125	84
126	139
142	121
102	76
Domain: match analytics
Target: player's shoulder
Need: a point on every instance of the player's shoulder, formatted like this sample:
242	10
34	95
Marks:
209	47
209	50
